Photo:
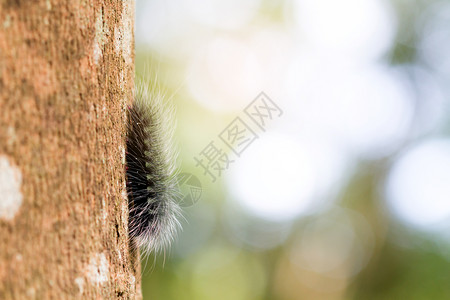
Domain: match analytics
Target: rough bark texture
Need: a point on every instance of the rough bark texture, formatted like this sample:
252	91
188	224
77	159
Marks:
66	78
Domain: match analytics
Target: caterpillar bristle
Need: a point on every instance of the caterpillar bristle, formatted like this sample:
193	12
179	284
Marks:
151	171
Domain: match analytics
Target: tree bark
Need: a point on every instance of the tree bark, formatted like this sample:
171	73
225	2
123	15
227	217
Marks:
66	78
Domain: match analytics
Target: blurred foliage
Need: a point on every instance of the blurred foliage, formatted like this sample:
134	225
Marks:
208	261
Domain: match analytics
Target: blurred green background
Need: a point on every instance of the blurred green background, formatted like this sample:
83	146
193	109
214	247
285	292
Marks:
346	195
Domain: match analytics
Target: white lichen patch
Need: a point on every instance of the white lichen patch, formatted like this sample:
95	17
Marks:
11	135
97	52
123	153
98	269
10	194
79	281
7	22
127	31
123	36
99	39
122	80
31	292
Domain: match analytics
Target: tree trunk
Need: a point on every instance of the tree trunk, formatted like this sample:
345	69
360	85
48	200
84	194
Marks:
66	78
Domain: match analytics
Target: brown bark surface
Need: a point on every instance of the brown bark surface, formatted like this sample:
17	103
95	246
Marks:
66	78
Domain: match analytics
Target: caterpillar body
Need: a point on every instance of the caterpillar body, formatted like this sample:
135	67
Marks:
151	172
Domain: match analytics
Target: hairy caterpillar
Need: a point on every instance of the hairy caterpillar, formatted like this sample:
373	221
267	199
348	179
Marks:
150	171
